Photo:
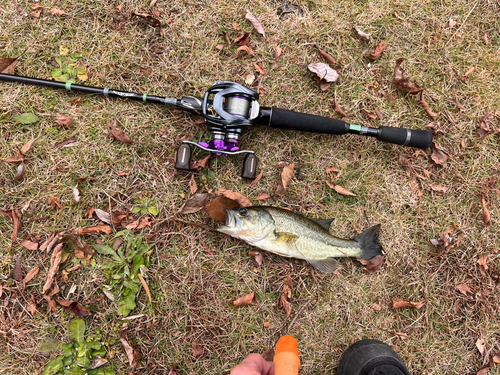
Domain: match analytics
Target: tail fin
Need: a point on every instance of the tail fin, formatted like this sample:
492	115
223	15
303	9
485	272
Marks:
370	246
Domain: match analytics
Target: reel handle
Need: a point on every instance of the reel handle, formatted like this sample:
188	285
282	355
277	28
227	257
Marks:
183	157
249	170
285	119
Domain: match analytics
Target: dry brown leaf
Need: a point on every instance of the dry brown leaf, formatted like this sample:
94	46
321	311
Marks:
452	23
30	275
259	69
15	159
483	262
278	52
129	351
286	297
362	34
337	108
44	246
15	221
74	307
21	171
483	127
438	155
284	179
7	65
98	229
267	324
426	106
481	346
30	245
329	58
398	303
193	186
18	271
143	222
256	179
249	299
439	188
324	72
245	49
197	349
216	208
468	73
63	120
240	198
389	98
262	197
57	12
370	114
147	20
146	287
243	40
340	189
377	51
463	288
199	164
54	202
259	259
402	82
374	264
24	150
31	306
103	215
255	22
331	170
76	193
484	370
486	213
117	133
55	261
194	204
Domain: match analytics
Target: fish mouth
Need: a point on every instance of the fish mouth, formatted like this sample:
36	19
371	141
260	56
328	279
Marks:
231	222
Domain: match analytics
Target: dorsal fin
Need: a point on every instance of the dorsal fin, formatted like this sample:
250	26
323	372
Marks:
323	223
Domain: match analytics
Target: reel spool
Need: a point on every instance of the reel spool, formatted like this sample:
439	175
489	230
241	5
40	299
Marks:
228	108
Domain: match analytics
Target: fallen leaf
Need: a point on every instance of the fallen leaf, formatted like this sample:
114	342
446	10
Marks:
389	98
340	189
30	275
402	82
54	202
56	12
249	299
31	307
7	65
452	23
377	51
439	188
197	349
267	324
103	215
278	52
329	58
199	164
18	271
76	193
74	307
146	287
259	259
216	208
15	221
468	73
259	69
374	264
284	179
55	261
143	222
129	351
243	40
262	197
463	288
245	49
482	262
250	79
98	362
324	73
331	170
15	159
63	120
337	108
484	370
483	127
256	24
99	229
240	198
193	186
21	172
24	150
481	346
194	204
426	106
30	245
486	213
256	179
370	114
147	19
398	303
286	297
117	133
438	155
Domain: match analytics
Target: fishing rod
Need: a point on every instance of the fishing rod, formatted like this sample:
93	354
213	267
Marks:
230	108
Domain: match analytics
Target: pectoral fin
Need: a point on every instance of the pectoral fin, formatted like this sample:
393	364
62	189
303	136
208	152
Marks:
286	238
327	265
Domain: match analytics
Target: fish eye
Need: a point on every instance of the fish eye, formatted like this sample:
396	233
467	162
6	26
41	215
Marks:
243	211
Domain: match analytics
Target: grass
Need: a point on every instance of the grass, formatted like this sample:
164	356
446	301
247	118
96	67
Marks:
195	275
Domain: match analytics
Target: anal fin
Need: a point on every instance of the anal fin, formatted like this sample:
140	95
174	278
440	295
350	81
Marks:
327	265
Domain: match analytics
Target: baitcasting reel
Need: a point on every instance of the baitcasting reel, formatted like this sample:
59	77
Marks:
228	108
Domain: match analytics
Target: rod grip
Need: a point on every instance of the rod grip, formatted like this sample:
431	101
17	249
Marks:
406	137
285	119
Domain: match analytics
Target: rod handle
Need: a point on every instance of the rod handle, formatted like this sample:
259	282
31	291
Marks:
285	119
406	137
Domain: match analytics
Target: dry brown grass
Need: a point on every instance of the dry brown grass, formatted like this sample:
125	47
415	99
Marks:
195	275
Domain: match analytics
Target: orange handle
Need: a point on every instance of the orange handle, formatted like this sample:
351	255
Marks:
286	358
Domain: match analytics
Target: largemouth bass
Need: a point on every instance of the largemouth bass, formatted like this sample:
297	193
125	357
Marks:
291	235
